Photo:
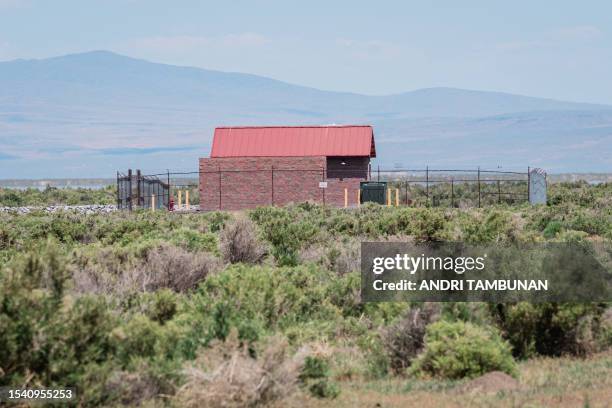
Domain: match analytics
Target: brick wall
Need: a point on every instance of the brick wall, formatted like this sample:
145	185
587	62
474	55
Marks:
248	182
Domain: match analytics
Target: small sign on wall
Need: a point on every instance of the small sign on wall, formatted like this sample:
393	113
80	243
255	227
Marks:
322	184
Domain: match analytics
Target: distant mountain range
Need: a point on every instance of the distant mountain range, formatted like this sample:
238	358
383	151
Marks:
90	114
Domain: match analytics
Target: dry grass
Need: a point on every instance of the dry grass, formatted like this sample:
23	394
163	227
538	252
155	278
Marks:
341	257
239	242
227	376
166	266
544	382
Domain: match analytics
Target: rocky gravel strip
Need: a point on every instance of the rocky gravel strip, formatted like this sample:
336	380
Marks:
81	209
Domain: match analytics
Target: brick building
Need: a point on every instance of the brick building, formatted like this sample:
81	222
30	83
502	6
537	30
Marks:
277	165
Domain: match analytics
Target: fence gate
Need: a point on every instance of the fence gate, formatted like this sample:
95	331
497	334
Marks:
135	190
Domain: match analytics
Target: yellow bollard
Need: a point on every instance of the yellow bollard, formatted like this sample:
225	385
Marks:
187	198
388	197
345	197
359	198
397	197
152	202
180	197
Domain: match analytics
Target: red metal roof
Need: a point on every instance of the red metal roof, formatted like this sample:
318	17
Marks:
271	141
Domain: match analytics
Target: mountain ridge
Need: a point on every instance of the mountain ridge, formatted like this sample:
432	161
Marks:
106	111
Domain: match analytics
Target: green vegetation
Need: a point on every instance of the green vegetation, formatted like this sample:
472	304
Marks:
56	196
260	307
463	350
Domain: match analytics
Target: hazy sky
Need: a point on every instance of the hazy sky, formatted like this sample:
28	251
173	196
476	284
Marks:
557	49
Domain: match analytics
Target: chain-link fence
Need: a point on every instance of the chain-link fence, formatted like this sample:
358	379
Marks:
458	188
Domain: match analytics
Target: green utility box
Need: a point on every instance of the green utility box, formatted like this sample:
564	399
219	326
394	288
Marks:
373	191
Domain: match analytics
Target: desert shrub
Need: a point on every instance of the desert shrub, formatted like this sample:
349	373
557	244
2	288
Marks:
47	338
56	196
492	227
276	297
315	377
551	329
589	221
161	306
605	337
342	257
11	198
552	229
324	388
404	340
193	240
216	220
144	338
83	337
314	368
227	376
428	225
141	383
163	266
68	228
239	242
377	362
422	224
572	236
456	350
579	193
173	268
25	232
593	221
473	312
286	233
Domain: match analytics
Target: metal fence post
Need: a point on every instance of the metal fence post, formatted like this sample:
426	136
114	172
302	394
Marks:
379	172
168	205
478	186
118	193
427	183
528	183
219	170
498	192
139	200
130	189
452	192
